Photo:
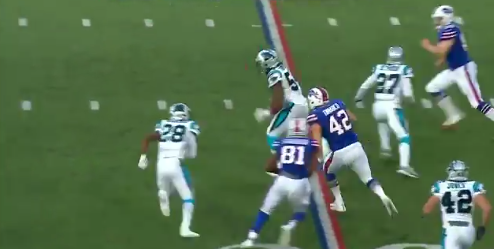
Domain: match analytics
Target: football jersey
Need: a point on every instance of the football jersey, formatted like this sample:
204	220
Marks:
295	156
335	124
457	199
389	81
291	88
457	56
174	137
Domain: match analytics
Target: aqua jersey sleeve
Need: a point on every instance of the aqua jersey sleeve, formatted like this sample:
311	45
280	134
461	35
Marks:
407	72
274	77
435	189
194	128
478	188
448	33
157	127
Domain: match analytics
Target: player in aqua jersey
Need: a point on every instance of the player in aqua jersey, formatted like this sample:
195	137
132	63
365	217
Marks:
393	83
452	49
287	99
177	139
297	155
331	120
458	196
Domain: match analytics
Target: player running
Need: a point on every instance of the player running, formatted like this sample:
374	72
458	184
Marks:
331	120
287	100
177	140
392	81
458	196
452	48
297	155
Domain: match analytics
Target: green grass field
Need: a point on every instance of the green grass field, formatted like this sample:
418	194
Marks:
68	174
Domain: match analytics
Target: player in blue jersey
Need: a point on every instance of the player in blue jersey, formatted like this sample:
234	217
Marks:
331	120
297	156
452	49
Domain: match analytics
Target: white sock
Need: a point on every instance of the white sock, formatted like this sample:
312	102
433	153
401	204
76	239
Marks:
490	114
383	130
404	149
448	107
187	211
337	194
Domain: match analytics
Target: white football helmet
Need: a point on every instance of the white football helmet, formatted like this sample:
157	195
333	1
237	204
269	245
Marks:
267	58
395	55
317	96
443	15
457	171
179	111
297	127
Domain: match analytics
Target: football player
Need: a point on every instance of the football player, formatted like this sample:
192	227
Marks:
331	120
177	139
287	100
297	155
457	196
452	49
392	81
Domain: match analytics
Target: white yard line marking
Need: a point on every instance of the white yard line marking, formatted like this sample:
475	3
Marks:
427	104
22	22
26	105
210	23
256	26
286	25
228	104
161	104
394	21
332	22
459	20
94	105
148	23
86	22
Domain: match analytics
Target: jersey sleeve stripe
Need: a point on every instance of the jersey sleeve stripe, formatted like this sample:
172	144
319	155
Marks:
312	118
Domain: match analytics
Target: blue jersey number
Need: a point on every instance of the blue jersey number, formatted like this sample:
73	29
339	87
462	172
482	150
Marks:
339	123
387	83
292	155
173	133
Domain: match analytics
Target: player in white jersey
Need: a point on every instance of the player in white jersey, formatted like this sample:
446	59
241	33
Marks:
393	82
458	197
287	100
452	49
177	139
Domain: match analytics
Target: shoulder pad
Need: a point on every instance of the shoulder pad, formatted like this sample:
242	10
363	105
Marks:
407	72
478	188
194	128
435	189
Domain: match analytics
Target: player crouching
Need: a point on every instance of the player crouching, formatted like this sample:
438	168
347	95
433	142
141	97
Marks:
177	140
297	155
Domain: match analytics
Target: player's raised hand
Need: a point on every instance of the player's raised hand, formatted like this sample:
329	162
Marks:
426	43
261	114
143	162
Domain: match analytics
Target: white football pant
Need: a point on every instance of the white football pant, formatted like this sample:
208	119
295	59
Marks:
464	77
279	124
459	237
297	191
352	156
170	176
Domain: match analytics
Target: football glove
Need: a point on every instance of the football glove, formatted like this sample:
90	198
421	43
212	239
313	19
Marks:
261	114
143	162
480	232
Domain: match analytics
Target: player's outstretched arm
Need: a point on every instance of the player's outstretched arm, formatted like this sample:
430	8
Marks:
429	205
147	140
277	98
316	134
484	204
351	115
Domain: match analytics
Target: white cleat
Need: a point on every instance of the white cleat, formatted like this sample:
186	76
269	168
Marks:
338	207
385	154
164	203
408	171
186	233
247	244
452	121
285	235
389	205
